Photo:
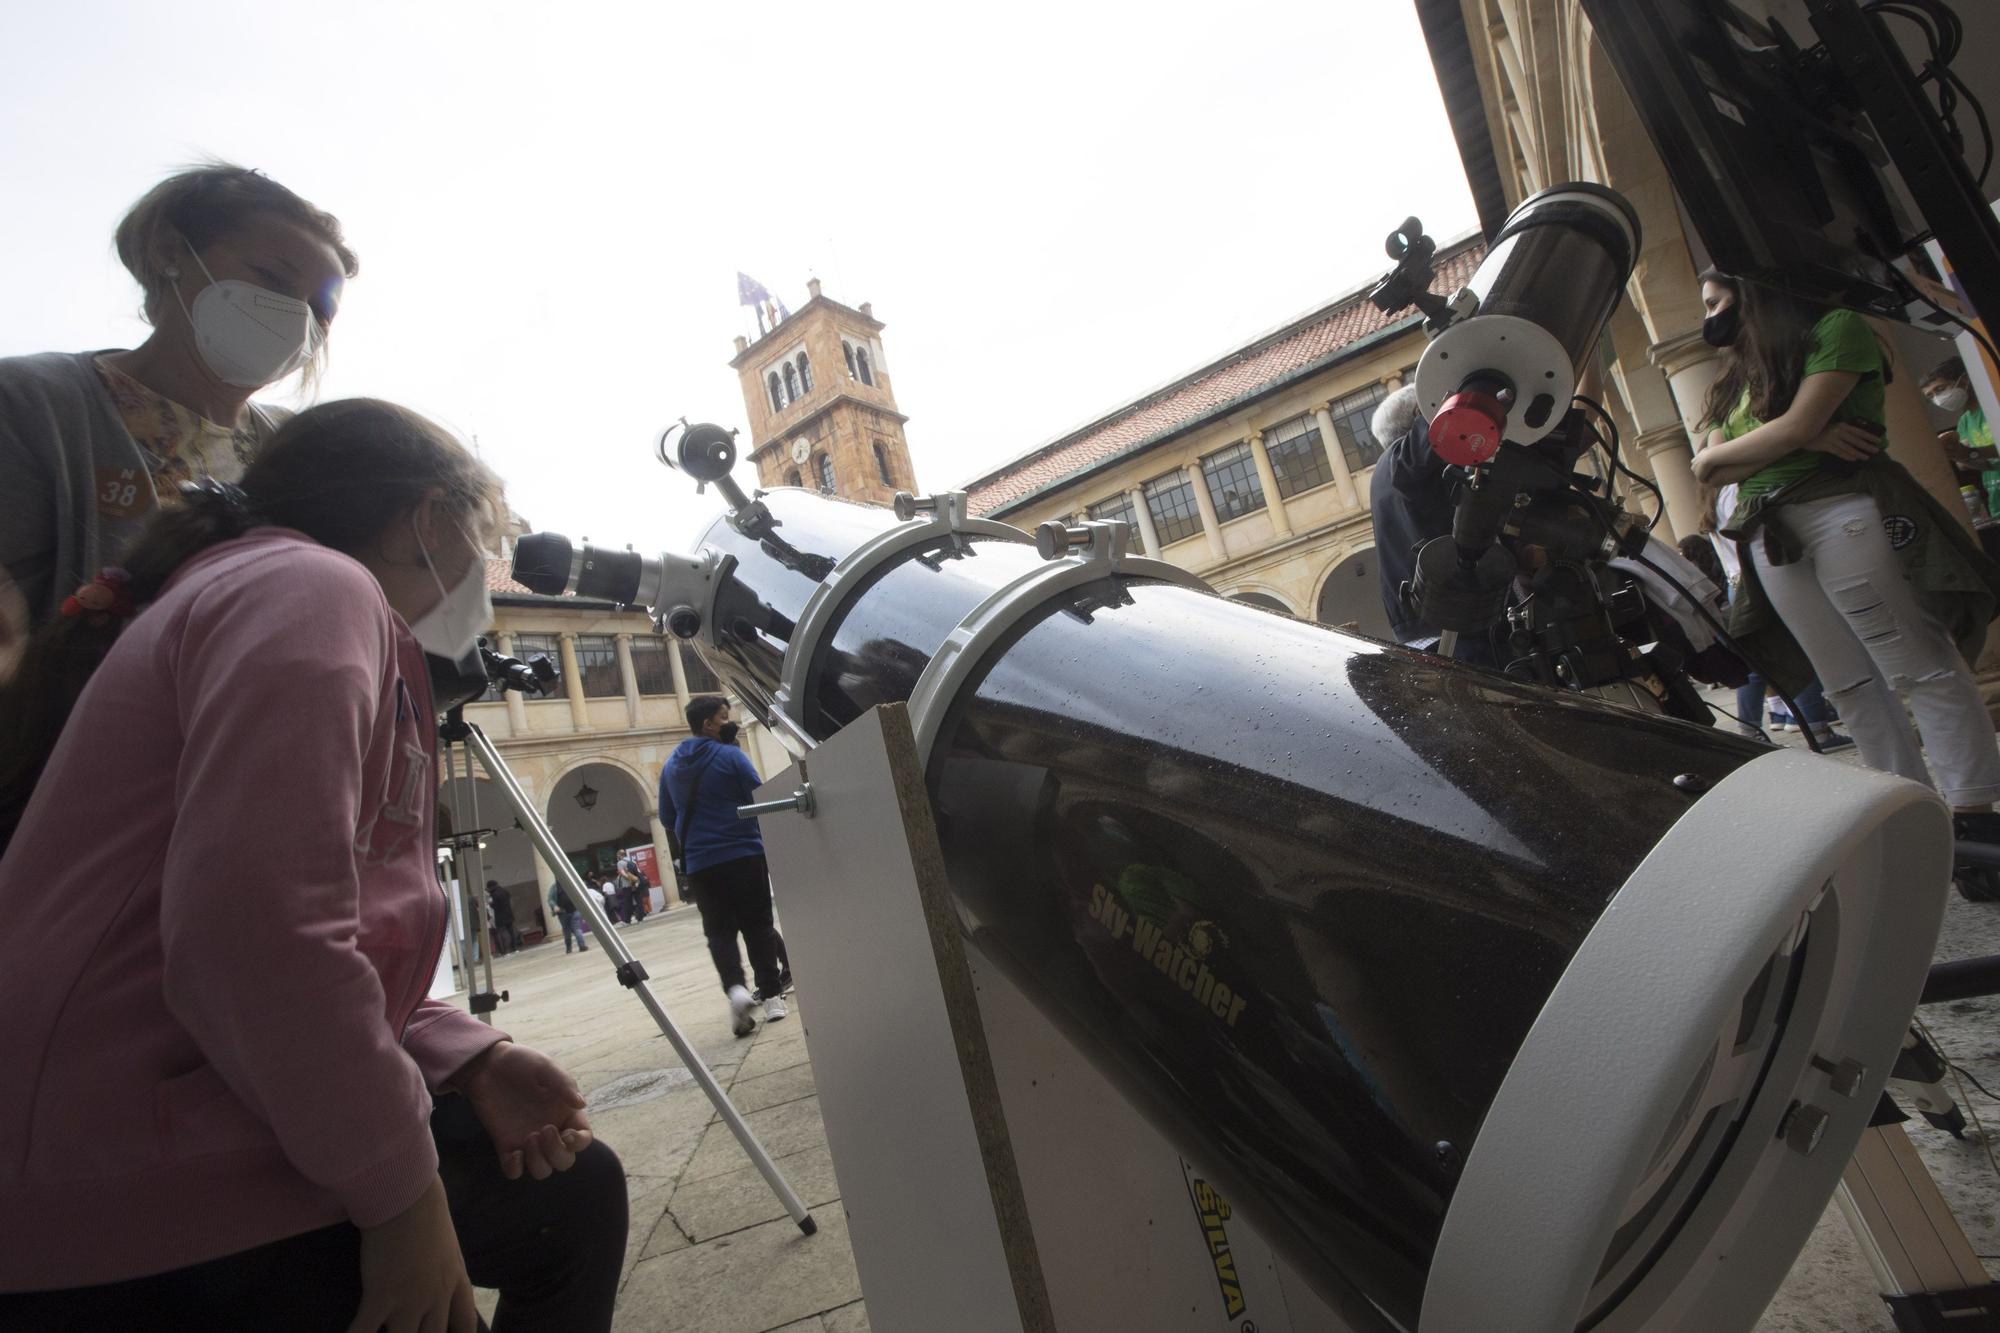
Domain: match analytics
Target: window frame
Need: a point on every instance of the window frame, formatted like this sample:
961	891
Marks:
590	666
1241	463
1175	489
646	646
1351	412
1120	509
1281	449
824	466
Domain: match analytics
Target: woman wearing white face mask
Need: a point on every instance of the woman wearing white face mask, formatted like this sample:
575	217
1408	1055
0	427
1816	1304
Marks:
230	1104
242	279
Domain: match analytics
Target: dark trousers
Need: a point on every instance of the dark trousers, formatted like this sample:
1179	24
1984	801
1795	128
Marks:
554	1249
572	930
735	898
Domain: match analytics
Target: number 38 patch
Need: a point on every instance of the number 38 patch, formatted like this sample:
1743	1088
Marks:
1902	531
123	492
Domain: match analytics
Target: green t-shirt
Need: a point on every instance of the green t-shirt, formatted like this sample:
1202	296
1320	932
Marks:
1841	341
1976	435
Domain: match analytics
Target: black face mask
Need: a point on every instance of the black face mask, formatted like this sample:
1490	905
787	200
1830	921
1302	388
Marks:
727	733
1720	328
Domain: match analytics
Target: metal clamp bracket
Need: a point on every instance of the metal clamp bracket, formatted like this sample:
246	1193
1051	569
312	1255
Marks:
947	516
1093	550
800	801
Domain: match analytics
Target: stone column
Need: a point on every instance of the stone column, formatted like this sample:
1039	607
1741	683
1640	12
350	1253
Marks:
517	709
1690	366
680	673
1671	462
1142	517
1211	527
1336	457
663	859
629	679
1267	477
579	709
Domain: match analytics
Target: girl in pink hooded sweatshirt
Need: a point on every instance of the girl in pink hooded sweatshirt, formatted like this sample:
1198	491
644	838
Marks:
228	1103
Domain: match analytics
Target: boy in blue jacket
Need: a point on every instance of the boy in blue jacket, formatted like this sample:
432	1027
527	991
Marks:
704	781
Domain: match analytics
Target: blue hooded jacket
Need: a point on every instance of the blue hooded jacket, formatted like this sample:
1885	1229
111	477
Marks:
701	786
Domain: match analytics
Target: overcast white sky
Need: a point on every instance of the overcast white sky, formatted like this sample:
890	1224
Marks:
1053	206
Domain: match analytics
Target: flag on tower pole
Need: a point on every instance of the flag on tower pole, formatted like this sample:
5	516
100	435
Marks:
753	293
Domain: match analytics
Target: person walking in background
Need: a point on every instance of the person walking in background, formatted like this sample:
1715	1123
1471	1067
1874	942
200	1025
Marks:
1843	554
614	905
632	889
565	911
703	782
501	905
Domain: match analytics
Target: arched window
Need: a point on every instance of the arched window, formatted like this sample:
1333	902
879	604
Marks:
826	474
882	464
847	350
805	374
777	393
861	365
793	478
791	383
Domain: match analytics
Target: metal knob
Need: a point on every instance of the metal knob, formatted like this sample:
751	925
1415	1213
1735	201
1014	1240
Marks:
684	622
1843	1079
1055	538
908	506
1803	1127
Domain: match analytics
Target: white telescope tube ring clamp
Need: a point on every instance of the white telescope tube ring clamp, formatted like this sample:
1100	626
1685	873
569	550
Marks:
959	657
831	597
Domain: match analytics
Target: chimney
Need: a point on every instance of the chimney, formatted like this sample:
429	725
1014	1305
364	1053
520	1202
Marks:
742	344
868	309
812	286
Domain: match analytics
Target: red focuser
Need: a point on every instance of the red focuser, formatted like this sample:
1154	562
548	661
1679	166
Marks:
1466	430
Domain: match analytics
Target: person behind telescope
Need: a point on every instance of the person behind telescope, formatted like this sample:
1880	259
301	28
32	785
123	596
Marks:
241	281
566	913
703	782
1843	554
230	1102
501	904
1969	442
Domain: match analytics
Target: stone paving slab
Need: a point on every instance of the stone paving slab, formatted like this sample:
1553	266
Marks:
745	1282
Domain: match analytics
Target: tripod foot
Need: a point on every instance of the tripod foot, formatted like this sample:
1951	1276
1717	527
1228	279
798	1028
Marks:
807	1225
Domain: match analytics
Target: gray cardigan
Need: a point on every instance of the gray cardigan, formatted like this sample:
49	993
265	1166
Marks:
75	487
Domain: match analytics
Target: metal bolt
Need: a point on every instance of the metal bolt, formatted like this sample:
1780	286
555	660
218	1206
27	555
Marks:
1522	499
1447	1155
1691	783
908	506
1803	1126
1844	1079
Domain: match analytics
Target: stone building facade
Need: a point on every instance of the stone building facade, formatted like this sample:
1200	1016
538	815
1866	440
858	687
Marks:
821	408
1252	470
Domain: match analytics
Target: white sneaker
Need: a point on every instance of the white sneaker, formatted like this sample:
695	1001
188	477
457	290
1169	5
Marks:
774	1009
740	1005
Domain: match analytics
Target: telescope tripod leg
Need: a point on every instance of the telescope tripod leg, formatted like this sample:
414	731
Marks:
1925	1268
631	972
472	907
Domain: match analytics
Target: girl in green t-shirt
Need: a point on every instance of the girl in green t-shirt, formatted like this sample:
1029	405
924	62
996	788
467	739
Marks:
1801	394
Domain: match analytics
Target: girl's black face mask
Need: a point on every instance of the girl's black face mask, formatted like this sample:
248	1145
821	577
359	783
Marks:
1720	328
726	733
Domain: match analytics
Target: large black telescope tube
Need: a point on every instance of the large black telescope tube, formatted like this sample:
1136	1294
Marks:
1308	897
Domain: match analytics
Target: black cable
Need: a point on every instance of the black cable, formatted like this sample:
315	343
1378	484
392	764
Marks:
1617	464
1805	725
1973	1081
1944	35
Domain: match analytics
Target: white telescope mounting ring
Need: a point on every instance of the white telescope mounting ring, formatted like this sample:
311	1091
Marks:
960	656
833	594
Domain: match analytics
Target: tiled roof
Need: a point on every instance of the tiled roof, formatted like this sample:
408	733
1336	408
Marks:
500	576
1263	362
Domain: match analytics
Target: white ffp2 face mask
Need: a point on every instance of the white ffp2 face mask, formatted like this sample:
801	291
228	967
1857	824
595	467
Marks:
1950	400
249	336
451	627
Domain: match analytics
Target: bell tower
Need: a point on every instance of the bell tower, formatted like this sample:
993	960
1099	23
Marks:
821	410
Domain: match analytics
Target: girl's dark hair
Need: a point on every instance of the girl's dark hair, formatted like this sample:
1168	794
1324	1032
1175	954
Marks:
340	473
1768	358
204	204
1700	553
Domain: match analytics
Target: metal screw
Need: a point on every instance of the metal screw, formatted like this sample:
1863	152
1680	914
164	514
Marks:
1522	499
908	506
1447	1155
1054	538
1803	1126
1691	783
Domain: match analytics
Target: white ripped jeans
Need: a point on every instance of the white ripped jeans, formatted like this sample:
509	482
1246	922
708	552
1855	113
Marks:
1850	607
